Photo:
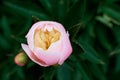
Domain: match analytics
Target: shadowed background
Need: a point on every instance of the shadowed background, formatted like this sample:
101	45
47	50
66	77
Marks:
94	28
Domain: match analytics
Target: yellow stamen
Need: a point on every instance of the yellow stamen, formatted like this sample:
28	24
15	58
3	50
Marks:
44	39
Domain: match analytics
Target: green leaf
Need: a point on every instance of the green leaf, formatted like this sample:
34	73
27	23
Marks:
82	71
75	14
30	64
77	74
73	1
104	21
4	43
112	11
4	75
89	12
115	51
116	32
20	72
49	73
97	72
74	30
13	8
101	34
64	72
62	8
47	5
5	27
117	65
26	27
89	52
111	1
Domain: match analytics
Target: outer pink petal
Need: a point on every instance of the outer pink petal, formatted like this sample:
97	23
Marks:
50	58
32	56
66	50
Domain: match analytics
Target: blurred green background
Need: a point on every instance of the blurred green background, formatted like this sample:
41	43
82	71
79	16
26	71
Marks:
94	28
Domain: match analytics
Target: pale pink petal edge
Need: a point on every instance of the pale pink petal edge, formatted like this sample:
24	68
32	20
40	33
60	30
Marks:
32	56
67	50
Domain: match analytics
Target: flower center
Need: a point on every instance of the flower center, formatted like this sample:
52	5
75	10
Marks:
44	39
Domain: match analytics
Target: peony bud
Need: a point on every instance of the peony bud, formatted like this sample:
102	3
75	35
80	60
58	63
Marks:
48	43
21	59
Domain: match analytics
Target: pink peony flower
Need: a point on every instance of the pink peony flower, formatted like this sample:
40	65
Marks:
48	43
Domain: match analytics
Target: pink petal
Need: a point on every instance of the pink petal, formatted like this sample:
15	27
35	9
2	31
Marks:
66	50
50	58
32	56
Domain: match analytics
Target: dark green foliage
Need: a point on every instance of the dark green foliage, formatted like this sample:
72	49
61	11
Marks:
94	28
